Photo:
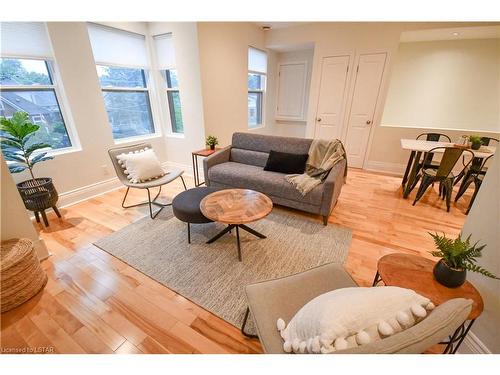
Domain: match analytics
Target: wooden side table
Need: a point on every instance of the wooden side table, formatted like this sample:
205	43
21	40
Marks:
415	272
194	158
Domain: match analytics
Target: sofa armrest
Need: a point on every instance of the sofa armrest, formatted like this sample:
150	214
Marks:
332	186
219	157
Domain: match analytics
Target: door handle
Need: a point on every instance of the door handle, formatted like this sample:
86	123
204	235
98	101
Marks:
368	122
318	119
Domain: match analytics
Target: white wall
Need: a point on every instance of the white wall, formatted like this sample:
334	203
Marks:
88	170
281	127
436	85
483	224
14	222
353	38
185	38
224	67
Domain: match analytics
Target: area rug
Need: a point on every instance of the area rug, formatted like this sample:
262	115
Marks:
211	275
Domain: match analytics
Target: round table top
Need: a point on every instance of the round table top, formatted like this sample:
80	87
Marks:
415	272
236	206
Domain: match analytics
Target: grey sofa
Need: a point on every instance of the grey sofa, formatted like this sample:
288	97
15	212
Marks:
241	166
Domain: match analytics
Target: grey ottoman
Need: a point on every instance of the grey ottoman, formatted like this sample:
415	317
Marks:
186	206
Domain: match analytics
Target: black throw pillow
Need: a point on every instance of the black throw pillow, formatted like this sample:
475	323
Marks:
284	162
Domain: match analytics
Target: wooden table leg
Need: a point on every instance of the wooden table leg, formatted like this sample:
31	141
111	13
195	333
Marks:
413	175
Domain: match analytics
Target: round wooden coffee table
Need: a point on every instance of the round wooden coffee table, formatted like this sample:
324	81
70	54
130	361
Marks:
236	207
415	272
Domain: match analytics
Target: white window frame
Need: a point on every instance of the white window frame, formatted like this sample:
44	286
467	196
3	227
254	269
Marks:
163	75
149	89
61	101
263	104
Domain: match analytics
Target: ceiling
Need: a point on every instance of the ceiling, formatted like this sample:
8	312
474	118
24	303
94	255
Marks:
456	33
280	25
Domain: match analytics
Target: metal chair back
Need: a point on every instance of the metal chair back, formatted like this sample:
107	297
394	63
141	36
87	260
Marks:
450	158
114	152
434	137
485	141
483	165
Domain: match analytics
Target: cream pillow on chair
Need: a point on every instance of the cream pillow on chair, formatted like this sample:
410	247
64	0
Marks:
349	317
141	165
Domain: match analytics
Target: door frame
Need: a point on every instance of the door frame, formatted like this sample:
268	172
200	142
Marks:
350	66
377	114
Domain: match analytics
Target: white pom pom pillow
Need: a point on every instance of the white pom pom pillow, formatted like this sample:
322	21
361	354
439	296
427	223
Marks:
349	317
141	165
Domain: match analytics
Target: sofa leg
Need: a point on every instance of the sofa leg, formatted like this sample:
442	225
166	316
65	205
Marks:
325	220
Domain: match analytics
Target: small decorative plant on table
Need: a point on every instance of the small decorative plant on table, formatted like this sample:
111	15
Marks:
211	142
475	142
38	194
457	256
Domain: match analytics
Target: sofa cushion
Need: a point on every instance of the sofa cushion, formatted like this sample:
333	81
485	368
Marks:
285	162
270	183
266	143
250	157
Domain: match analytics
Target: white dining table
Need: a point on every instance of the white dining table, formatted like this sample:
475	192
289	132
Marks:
418	146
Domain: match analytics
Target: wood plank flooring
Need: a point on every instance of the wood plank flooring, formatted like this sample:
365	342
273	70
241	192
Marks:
95	303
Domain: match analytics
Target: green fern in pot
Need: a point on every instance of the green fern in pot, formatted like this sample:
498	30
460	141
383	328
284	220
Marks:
475	141
211	142
457	256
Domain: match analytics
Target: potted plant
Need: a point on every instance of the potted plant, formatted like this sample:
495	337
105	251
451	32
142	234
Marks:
38	194
475	142
211	142
457	256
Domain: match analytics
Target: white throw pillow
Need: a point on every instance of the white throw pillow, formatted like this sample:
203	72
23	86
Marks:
345	318
141	165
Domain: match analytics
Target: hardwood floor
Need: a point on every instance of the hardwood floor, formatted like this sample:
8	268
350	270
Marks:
95	303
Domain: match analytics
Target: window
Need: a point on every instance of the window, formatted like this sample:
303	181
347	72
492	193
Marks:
121	63
257	68
28	84
174	101
126	99
166	62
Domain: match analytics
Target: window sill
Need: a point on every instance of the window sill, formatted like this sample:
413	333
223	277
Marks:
54	153
129	140
63	151
175	135
257	127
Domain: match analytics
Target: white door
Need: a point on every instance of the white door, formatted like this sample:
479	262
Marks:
332	92
364	101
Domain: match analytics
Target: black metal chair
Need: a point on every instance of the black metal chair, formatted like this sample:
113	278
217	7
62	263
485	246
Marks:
443	174
428	156
476	164
475	177
156	183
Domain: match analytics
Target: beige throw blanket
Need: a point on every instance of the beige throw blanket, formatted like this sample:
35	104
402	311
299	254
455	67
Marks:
323	155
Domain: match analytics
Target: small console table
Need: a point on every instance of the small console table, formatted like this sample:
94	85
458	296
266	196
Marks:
194	157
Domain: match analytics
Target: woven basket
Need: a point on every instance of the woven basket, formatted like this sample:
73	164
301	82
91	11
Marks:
21	274
38	194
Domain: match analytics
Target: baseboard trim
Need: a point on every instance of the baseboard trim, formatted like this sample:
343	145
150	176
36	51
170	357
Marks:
41	249
188	169
84	193
380	166
473	345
